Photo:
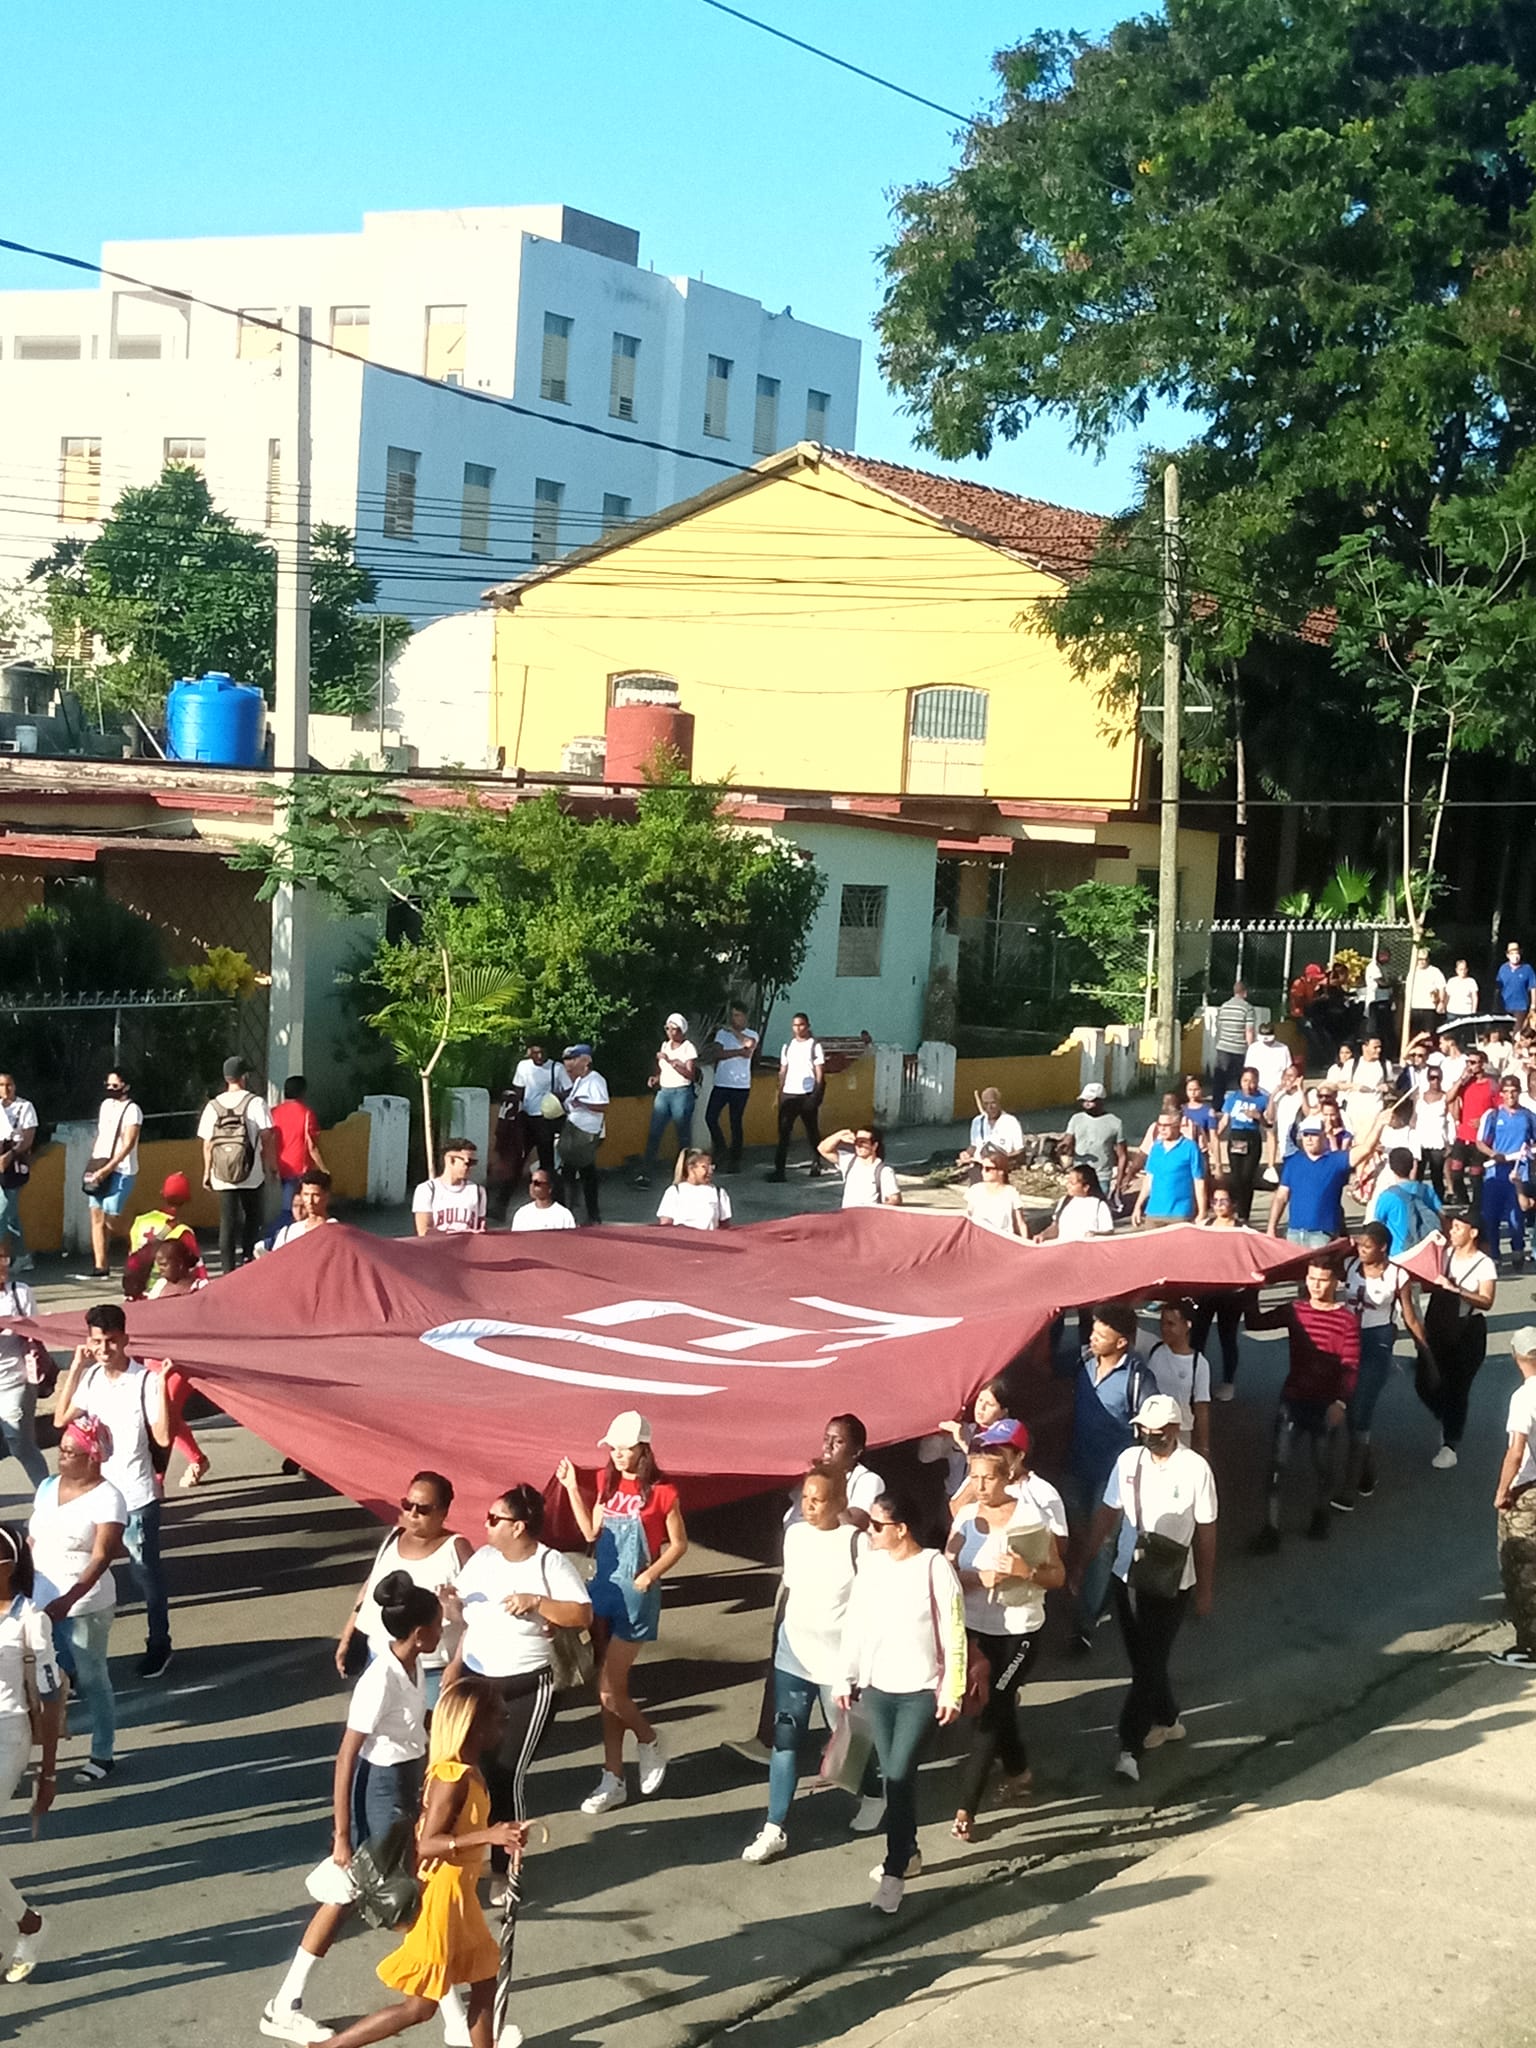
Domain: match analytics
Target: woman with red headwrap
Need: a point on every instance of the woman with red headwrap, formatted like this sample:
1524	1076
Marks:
77	1528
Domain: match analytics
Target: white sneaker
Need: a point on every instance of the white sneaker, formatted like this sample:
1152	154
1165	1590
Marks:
1225	1390
1445	1459
454	2007
870	1814
611	1792
30	1946
292	2024
888	1897
768	1842
1126	1766
914	1868
510	2037
1175	1732
653	1766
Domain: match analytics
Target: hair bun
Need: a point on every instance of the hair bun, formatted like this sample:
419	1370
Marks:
393	1588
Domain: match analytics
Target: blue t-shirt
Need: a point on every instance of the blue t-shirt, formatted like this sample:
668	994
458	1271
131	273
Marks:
1410	1209
1509	1131
1516	987
1172	1171
1317	1191
1200	1114
1245	1110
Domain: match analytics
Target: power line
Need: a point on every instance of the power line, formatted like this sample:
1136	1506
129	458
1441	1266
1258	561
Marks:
842	63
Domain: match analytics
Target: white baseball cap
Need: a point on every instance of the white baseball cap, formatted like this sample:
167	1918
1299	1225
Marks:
627	1430
1523	1342
1094	1092
1158	1411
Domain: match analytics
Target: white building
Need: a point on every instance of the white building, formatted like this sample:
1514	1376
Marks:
543	307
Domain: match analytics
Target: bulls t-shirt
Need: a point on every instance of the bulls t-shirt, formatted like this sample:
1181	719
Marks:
453	1210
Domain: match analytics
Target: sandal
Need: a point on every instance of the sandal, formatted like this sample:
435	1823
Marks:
962	1826
196	1474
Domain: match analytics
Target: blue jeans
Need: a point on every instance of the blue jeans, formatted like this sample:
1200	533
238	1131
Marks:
82	1646
10	1216
902	1723
1311	1240
793	1699
141	1540
672	1106
18	1429
1082	1502
383	1794
1375	1371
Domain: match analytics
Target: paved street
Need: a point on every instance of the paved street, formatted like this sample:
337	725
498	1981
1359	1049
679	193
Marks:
176	1892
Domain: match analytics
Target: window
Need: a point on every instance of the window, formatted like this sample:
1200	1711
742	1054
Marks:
547	500
253	343
274	482
79	477
641	686
190	454
860	929
765	420
400	467
621	376
554	371
46	348
475	509
717	387
817	406
137	348
444	358
616	511
349	329
946	741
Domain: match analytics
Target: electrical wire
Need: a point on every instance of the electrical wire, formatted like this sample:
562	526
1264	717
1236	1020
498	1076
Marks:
842	63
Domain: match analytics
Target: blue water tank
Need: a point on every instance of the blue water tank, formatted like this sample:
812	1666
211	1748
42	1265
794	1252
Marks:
216	719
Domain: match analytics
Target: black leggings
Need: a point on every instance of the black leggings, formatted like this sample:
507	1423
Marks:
1245	1153
1226	1312
528	1702
723	1100
795	1109
998	1737
1449	1364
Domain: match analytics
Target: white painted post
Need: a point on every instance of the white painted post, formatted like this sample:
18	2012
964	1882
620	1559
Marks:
77	1140
389	1149
1090	1066
469	1116
936	1079
1208	1039
889	1062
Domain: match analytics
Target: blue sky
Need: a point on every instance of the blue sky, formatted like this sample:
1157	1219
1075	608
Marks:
735	156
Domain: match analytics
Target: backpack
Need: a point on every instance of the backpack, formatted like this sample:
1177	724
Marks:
231	1150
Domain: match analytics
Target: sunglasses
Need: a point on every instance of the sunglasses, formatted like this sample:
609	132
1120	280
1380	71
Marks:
883	1525
417	1507
492	1520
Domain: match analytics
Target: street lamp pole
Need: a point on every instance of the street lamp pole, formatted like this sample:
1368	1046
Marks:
1168	840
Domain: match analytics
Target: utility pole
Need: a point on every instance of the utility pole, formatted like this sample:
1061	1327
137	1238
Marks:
290	724
1168	1046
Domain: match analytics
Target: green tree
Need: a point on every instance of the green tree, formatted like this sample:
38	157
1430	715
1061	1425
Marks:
1307	224
1102	931
173	587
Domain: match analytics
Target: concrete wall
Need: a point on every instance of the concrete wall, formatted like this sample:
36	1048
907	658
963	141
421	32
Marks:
889	1006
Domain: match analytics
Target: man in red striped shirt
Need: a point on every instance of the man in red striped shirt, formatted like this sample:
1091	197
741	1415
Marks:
1324	1337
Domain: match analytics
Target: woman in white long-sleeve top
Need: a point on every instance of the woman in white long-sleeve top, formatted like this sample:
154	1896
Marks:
904	1658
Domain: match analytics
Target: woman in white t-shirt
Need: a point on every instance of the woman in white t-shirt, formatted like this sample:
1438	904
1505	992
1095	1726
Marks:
994	1202
510	1597
1456	1330
821	1559
675	1078
1081	1213
1004	1591
859	1156
26	1638
693	1202
1182	1370
423	1546
77	1526
1379	1288
378	1776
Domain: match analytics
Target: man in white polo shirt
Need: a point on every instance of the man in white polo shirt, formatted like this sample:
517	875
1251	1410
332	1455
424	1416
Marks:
581	1134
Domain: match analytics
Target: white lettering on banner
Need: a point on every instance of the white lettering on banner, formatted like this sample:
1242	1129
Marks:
873	1326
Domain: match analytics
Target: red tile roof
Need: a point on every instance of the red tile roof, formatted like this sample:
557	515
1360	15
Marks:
1054	537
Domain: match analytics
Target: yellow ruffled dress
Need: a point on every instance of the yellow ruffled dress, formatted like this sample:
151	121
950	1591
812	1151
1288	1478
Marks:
448	1942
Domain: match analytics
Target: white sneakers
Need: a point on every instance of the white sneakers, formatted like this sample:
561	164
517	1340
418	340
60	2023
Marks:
653	1766
768	1842
290	2023
611	1792
1225	1390
26	1952
914	1868
870	1814
1445	1459
888	1894
1126	1766
1156	1737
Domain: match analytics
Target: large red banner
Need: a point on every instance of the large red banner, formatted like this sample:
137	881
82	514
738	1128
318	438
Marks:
490	1358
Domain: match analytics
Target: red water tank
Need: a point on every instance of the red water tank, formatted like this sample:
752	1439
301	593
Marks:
634	733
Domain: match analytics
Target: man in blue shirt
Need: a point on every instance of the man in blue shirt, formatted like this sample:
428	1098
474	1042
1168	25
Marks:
1111	1384
1517	983
1506	1137
1173	1178
1310	1196
1409	1208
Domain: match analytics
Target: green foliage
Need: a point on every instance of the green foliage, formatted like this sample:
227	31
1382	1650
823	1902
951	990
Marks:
173	587
1102	929
611	922
223	971
1307	224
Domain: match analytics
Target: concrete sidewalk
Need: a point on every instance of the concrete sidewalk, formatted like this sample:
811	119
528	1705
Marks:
1382	1894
